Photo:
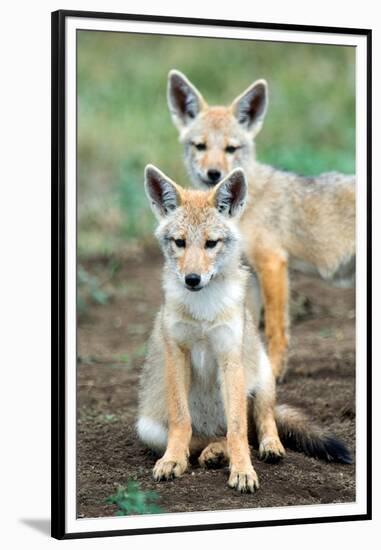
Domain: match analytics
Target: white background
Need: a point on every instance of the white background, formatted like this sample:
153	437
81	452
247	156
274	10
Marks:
25	270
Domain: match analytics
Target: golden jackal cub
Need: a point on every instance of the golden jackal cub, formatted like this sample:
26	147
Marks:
310	221
207	380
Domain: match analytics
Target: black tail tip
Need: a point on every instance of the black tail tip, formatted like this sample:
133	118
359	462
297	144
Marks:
336	451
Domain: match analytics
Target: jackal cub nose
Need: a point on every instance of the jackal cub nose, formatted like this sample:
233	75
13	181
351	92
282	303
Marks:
213	176
192	281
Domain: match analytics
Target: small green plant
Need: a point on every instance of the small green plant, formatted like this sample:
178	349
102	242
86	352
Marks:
325	333
89	290
132	500
124	358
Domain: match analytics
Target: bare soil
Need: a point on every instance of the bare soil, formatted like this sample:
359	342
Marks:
111	347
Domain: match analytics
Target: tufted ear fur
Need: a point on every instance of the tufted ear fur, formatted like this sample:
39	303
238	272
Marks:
230	194
163	193
184	101
250	107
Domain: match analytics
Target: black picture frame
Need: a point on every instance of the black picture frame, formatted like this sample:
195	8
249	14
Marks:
58	251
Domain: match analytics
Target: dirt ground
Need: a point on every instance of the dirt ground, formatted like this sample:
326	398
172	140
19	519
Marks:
111	348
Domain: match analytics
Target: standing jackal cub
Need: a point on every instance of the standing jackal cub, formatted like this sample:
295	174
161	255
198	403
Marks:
307	221
207	383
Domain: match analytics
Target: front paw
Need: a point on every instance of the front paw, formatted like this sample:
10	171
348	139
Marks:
244	480
168	468
271	449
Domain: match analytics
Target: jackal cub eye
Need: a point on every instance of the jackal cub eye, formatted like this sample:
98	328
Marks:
200	146
231	149
210	244
180	243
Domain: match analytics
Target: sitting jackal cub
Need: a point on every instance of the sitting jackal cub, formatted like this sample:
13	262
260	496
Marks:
207	383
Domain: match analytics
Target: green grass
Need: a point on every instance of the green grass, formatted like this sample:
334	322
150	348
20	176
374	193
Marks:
124	122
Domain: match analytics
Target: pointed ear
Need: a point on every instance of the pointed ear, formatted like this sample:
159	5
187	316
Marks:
163	193
230	195
184	101
250	107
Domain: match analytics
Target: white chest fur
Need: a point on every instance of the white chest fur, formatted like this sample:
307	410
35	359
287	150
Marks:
205	398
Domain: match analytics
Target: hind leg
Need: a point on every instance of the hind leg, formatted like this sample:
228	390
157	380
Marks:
272	271
270	446
263	408
215	454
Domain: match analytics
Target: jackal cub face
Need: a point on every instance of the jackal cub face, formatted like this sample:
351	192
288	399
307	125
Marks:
216	139
197	230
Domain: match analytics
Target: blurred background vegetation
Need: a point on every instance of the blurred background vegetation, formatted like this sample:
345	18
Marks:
123	119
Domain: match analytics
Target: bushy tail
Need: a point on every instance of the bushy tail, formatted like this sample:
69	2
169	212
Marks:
297	432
